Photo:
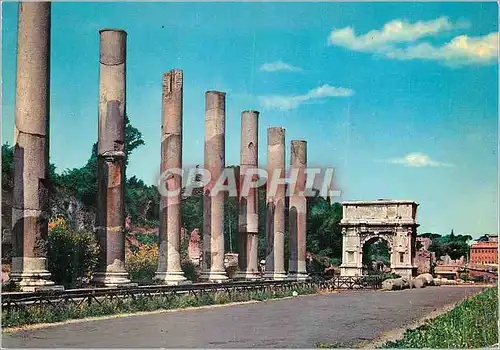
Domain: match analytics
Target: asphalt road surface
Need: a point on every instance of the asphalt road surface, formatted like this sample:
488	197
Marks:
346	318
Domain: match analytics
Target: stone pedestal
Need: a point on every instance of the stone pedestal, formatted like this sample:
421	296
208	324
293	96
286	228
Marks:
213	269
248	219
30	202
112	279
350	271
110	220
31	274
275	220
171	278
169	265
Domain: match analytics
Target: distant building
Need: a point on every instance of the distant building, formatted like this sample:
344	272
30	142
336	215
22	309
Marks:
448	268
485	273
449	271
484	253
492	238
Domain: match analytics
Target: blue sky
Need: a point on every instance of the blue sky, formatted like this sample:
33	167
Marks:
401	99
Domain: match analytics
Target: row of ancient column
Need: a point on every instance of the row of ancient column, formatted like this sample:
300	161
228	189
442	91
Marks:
169	267
31	182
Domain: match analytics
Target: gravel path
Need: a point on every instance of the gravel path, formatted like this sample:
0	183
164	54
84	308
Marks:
344	318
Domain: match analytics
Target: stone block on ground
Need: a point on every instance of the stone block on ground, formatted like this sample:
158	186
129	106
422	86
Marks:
417	283
398	283
427	278
387	284
395	284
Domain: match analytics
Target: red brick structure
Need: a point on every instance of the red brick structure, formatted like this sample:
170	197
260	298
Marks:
481	272
423	257
425	243
424	260
484	253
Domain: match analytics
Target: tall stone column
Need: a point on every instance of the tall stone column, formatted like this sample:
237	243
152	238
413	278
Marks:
169	264
30	203
110	221
248	219
298	213
275	220
213	206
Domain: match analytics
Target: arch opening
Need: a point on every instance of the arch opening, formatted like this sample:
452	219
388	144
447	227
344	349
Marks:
376	258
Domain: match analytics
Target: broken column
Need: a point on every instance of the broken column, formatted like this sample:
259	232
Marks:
275	201
297	212
248	220
169	263
110	220
213	206
30	203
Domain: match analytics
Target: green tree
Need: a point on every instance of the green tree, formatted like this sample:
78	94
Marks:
231	211
72	256
455	246
192	209
133	139
82	182
376	251
430	235
324	234
7	167
142	202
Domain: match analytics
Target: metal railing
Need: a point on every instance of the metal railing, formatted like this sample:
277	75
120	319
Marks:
345	282
23	301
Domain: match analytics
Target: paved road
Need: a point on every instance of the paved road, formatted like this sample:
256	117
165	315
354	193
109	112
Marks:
301	322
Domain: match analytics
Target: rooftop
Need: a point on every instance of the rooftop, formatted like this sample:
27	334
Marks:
484	245
380	201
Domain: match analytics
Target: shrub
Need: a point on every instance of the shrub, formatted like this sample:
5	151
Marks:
72	255
142	264
146	238
472	324
189	270
222	298
385	276
67	310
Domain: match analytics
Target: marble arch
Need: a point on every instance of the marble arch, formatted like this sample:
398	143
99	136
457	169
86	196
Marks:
391	220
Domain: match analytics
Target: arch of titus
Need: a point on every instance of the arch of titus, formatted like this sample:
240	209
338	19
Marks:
390	220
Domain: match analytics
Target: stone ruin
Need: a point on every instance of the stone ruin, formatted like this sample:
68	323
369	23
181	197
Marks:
195	247
30	211
30	205
391	220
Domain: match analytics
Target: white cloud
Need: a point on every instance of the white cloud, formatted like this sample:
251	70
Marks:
279	66
398	40
396	31
290	102
461	50
417	160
